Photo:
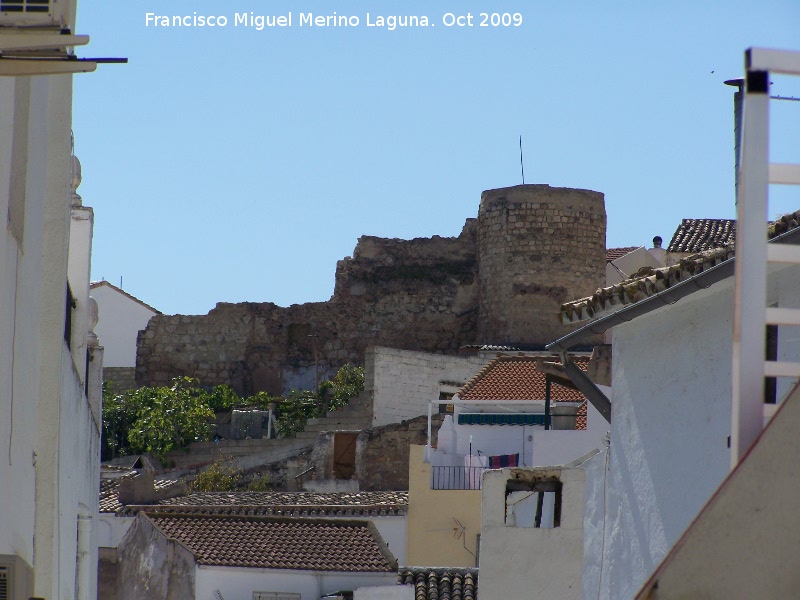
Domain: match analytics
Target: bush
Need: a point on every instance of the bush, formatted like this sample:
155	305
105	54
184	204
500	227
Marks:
221	476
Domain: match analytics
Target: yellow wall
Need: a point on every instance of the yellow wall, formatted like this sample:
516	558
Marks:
433	539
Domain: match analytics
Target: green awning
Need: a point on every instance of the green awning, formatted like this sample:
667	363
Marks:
500	419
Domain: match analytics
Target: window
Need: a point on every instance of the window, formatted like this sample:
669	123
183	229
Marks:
534	504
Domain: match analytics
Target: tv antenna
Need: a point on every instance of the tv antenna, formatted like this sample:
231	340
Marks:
521	164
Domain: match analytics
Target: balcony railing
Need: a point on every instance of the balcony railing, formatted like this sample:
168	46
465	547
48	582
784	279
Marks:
456	478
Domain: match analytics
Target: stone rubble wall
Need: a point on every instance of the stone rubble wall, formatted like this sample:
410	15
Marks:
501	281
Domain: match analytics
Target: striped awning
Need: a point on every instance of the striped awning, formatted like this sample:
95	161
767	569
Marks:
500	419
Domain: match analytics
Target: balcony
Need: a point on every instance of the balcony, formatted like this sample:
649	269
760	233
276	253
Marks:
456	478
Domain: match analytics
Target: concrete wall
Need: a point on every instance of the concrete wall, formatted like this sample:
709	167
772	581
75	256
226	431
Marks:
235	582
526	562
432	528
120	320
152	566
402	382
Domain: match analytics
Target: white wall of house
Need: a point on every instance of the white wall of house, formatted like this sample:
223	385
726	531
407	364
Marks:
671	418
234	582
120	320
388	592
402	382
527	562
629	264
49	464
111	529
671	385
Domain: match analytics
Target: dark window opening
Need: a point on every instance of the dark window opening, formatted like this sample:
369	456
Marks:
534	504
770	383
68	318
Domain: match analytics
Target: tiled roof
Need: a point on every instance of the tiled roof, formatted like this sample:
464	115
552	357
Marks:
109	492
648	282
512	378
440	583
698	235
615	253
279	543
508	378
285	504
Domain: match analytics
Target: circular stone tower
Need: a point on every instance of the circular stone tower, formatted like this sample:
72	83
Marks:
537	248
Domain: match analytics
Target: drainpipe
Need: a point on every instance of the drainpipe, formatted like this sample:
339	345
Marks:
546	402
427	457
738	83
84	570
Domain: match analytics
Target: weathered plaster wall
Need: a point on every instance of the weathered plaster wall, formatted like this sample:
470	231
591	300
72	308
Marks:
381	453
151	566
311	585
433	517
526	562
531	248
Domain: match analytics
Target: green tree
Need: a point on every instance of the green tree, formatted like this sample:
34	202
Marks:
174	418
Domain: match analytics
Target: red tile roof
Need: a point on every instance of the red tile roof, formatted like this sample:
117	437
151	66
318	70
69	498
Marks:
278	543
517	378
615	253
512	378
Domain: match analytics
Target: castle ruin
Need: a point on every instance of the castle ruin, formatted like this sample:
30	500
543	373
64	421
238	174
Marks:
500	282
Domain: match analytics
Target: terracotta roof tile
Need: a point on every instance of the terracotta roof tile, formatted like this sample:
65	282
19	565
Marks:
698	235
509	378
283	504
440	583
512	378
278	543
109	491
615	253
648	282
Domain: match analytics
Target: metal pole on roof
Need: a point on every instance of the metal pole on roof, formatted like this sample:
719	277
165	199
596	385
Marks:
547	402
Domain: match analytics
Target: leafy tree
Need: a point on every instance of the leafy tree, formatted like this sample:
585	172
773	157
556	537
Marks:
173	417
222	397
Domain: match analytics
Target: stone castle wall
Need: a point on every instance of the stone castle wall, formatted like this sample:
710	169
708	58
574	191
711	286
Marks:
427	294
539	247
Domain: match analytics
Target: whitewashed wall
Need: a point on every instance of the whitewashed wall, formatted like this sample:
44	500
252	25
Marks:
671	420
527	562
120	320
242	582
402	382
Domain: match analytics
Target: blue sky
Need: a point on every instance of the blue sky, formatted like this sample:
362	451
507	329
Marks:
230	164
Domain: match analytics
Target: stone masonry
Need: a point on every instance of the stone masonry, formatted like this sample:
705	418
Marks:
501	281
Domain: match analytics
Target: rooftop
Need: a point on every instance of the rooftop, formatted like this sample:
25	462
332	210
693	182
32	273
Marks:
648	282
279	543
511	378
516	378
699	235
440	583
613	254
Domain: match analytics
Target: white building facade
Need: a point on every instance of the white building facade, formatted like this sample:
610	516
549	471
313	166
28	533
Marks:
50	362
